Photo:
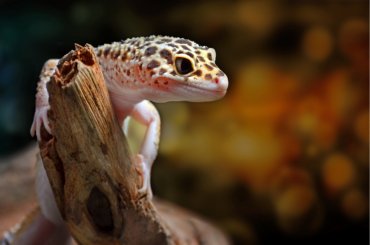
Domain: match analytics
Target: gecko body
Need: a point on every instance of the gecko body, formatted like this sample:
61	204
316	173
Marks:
137	71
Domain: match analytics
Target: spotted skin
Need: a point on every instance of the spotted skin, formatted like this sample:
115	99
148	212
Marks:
137	71
155	56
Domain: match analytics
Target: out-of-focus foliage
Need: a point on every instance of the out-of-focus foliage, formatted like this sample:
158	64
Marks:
284	154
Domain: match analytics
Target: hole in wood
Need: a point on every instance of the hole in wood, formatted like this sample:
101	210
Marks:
83	54
98	207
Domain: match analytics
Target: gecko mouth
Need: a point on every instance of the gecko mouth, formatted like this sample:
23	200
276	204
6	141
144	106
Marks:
197	93
219	86
212	92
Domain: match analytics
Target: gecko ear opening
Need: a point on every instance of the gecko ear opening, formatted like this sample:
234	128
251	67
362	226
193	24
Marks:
213	52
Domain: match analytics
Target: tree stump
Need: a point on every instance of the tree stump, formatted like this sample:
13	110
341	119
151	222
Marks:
90	167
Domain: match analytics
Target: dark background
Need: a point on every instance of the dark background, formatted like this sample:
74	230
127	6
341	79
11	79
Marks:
284	157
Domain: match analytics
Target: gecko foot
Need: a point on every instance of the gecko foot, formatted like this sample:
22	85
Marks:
38	119
145	175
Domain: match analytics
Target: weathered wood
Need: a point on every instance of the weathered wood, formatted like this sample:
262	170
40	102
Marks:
90	167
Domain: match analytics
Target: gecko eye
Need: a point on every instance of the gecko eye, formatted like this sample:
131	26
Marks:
183	65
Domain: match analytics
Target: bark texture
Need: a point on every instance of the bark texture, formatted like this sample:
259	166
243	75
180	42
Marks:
90	168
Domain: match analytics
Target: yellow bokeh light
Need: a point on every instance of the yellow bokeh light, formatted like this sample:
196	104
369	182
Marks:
317	43
338	173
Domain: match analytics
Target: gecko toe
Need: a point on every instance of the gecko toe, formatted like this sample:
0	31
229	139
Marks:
33	128
143	171
143	188
40	117
46	122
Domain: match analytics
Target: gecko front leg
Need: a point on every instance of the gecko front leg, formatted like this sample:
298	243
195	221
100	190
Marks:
42	99
146	114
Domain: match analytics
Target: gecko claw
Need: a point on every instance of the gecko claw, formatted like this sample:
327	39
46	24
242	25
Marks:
145	175
46	121
39	118
33	128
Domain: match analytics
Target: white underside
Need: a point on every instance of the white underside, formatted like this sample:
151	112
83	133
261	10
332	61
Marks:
45	195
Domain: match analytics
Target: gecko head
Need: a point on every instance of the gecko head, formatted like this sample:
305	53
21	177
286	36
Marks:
180	69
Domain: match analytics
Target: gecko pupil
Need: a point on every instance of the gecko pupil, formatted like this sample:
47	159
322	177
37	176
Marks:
183	66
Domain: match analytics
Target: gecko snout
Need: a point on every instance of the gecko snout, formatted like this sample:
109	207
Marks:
222	83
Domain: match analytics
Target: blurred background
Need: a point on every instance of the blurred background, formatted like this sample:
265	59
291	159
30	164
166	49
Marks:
284	157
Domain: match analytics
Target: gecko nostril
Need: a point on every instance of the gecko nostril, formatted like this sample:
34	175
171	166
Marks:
216	80
223	83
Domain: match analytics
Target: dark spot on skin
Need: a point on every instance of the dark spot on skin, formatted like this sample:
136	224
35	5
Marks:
156	82
117	54
148	39
209	56
128	72
134	51
180	52
137	44
173	45
159	42
98	53
185	47
201	59
152	73
220	74
196	61
183	41
213	64
142	46
153	64
124	56
174	50
210	68
162	71
166	54
173	73
149	51
128	49
190	54
106	51
166	82
208	77
186	79
166	40
141	66
198	73
197	52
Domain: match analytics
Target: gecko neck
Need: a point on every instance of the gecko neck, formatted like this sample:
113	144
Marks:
120	66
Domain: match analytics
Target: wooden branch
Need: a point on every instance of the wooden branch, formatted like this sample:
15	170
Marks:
90	167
